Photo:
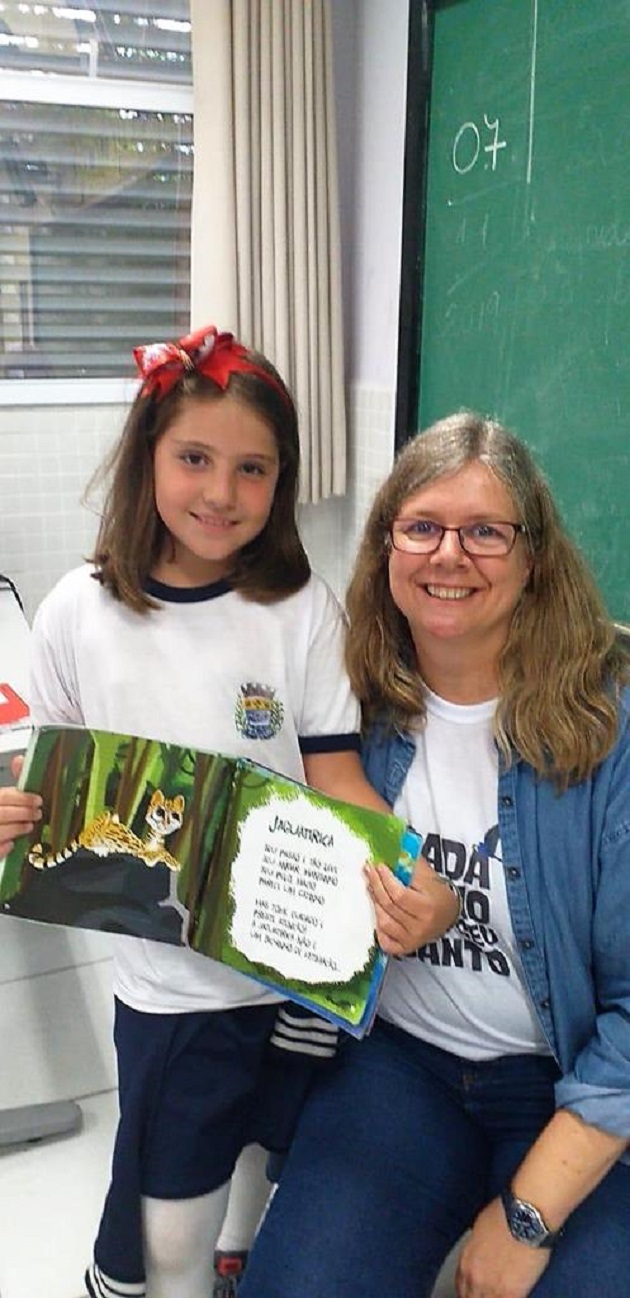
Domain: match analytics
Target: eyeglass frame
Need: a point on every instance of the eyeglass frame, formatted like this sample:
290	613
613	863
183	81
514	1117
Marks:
519	529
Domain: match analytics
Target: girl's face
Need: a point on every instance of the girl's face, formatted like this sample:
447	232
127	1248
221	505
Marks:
215	472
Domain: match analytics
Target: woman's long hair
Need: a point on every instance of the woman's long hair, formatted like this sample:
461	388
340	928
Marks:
561	667
131	535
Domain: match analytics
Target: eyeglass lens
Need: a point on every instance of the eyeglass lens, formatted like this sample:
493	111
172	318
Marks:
422	536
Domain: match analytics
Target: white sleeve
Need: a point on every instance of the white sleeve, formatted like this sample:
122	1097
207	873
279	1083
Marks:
329	708
53	687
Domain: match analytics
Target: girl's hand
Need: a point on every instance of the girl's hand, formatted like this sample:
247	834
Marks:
495	1265
408	916
19	811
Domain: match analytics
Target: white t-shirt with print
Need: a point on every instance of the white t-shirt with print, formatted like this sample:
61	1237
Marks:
188	673
465	992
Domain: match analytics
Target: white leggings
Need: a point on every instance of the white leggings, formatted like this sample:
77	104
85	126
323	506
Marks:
249	1193
180	1236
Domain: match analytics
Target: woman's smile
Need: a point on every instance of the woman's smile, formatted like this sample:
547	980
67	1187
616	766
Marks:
449	592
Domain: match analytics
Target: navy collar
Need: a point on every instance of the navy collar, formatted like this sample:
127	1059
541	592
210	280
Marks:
186	594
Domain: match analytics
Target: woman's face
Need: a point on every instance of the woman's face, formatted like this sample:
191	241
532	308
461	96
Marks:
449	597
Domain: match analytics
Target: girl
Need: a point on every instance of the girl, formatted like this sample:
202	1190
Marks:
200	600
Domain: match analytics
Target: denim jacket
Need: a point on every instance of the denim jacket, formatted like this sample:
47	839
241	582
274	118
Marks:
567	868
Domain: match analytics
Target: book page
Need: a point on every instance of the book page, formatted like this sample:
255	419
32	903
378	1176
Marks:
300	900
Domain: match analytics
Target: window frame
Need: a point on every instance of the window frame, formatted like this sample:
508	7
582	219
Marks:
85	92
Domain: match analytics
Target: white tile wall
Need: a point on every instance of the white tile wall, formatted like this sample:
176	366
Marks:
56	1032
47	456
332	529
371	450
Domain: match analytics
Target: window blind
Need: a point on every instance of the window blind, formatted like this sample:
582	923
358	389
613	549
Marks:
95	184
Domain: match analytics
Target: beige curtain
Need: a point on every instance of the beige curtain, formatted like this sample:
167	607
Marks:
265	223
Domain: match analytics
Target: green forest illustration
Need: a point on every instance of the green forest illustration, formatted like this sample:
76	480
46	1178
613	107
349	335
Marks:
82	774
139	837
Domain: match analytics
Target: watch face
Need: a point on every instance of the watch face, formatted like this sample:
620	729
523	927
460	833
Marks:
526	1222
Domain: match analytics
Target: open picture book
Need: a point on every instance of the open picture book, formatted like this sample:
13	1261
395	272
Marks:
217	853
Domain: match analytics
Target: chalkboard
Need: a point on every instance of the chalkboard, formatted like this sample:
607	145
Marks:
526	277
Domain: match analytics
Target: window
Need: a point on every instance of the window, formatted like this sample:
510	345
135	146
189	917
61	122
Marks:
95	185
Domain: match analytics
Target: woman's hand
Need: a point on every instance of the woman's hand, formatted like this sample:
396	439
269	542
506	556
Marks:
19	811
495	1265
566	1162
408	916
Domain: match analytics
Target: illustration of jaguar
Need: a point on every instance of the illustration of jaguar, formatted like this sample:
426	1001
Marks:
106	836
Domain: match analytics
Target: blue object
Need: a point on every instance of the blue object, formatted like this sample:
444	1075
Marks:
410	848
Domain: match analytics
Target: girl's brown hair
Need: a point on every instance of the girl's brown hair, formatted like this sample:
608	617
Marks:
561	666
131	534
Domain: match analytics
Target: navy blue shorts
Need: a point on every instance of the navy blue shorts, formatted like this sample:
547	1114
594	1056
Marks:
194	1090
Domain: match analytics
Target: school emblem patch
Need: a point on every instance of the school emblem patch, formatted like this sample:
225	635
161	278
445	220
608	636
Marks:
258	713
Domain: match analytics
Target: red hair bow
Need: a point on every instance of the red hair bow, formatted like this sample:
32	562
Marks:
215	355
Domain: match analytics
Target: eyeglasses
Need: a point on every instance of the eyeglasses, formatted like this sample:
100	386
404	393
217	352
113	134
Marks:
423	536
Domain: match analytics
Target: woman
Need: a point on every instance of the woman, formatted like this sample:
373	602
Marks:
494	1091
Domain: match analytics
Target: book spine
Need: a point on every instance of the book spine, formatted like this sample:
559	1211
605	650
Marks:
409	851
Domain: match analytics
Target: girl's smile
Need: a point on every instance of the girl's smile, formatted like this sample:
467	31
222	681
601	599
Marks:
215	473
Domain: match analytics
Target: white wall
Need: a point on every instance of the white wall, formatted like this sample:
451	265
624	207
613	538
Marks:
374	231
55	1006
370	39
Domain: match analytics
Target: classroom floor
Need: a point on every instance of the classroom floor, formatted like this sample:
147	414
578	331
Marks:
51	1195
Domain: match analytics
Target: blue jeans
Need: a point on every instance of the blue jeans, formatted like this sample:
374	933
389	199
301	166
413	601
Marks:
397	1150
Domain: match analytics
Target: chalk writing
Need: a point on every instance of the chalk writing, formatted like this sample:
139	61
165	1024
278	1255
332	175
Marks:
463	318
467	145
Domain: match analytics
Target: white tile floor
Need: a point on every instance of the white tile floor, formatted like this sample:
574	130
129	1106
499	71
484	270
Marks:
51	1195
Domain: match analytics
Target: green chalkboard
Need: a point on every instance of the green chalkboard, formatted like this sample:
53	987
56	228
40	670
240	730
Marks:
526	293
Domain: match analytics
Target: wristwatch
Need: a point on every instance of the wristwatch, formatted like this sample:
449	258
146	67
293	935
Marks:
526	1223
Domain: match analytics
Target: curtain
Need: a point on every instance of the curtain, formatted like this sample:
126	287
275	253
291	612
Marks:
265	219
